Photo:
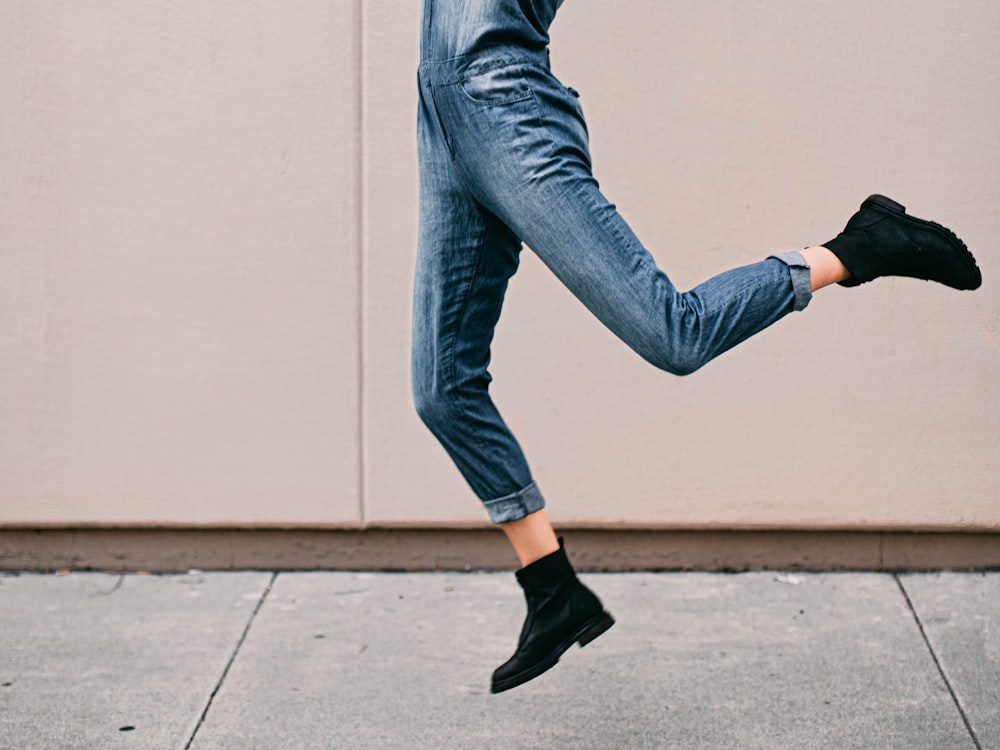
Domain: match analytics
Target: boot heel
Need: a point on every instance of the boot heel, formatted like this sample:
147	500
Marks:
887	203
601	626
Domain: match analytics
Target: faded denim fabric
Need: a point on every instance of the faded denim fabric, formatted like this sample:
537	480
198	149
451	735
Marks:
504	159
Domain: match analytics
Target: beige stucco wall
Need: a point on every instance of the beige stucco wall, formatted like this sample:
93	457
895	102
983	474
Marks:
207	218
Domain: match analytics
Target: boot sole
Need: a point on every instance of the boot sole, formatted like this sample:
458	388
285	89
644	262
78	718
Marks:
888	205
591	629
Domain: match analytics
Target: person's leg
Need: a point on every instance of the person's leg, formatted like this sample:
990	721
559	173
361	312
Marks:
463	267
525	156
526	159
465	258
825	268
532	537
517	165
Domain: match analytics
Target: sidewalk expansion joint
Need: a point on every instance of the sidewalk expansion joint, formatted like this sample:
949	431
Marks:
232	658
937	663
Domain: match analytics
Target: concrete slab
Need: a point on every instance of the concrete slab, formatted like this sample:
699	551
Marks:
960	613
759	660
85	655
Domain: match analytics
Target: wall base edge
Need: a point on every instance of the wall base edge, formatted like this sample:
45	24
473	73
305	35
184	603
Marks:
173	550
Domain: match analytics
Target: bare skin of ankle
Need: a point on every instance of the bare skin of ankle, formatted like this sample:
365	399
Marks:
825	267
532	537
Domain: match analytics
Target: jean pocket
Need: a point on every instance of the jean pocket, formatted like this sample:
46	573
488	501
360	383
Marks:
504	85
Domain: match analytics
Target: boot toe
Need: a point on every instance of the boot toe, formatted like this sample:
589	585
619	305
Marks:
881	239
939	255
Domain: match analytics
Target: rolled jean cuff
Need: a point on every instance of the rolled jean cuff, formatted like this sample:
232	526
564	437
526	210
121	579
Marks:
798	267
516	506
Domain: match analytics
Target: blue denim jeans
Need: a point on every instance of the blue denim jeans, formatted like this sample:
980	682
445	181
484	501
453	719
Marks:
504	159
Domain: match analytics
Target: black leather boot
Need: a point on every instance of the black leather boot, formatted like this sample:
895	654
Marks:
561	612
881	239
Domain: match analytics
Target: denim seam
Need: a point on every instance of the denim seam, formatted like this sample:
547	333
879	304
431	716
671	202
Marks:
454	334
521	96
472	69
550	145
449	144
623	238
448	349
478	55
619	235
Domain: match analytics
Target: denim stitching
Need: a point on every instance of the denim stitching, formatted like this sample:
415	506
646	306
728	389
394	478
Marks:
512	99
466	294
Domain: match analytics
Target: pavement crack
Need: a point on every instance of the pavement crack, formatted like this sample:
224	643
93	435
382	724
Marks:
937	663
113	589
232	658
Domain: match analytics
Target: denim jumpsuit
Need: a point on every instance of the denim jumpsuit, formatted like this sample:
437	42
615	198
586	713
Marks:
504	159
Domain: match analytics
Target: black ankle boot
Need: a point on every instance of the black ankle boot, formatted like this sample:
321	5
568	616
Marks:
881	239
561	612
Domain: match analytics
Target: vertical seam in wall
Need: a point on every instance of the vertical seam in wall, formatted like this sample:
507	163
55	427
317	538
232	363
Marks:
362	248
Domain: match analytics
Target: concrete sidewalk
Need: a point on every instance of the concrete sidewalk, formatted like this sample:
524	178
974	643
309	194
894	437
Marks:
381	660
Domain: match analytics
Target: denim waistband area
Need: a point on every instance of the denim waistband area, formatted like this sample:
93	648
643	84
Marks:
455	69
